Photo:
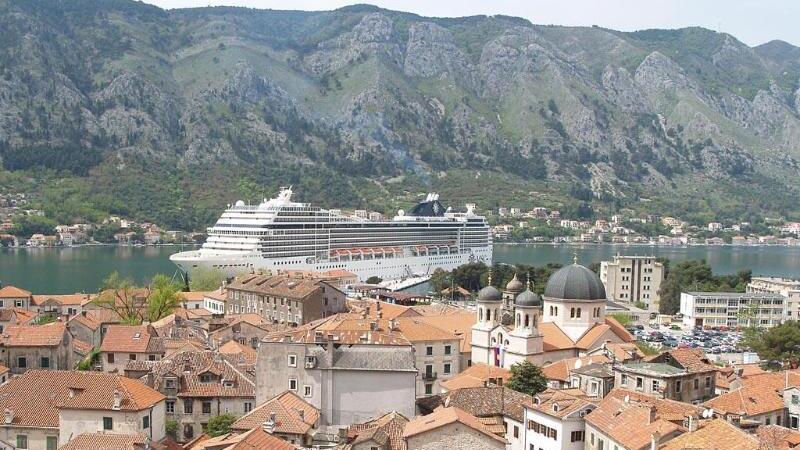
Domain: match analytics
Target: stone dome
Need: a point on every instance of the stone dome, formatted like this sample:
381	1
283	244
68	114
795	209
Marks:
528	298
574	282
515	285
489	294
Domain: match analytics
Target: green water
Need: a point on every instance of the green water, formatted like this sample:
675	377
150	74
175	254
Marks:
82	269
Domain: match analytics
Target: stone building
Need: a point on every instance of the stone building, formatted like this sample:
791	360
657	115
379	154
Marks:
286	416
450	428
683	374
555	420
285	299
123	343
14	297
198	385
26	347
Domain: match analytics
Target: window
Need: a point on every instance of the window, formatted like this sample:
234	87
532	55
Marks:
110	358
708	381
206	407
794	422
248	406
145	422
623	380
678	386
22	362
132	356
292	384
516	431
448	349
151	357
639	382
447	368
292	360
429	351
696	383
768	422
22	441
44	363
52	442
188	406
205	378
108	423
306	390
428	389
795	399
170	406
591	435
576	436
655	385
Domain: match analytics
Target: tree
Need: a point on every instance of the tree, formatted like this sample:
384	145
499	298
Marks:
696	275
123	297
206	279
26	226
374	280
780	343
527	378
623	319
220	425
440	280
163	299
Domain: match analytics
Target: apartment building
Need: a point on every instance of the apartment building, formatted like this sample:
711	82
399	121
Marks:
787	287
732	309
633	279
683	374
284	298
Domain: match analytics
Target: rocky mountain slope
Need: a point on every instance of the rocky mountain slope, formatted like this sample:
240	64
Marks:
170	114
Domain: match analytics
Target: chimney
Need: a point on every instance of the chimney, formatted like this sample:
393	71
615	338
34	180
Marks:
373	326
654	440
269	425
117	400
652	417
377	306
692	424
8	416
302	414
329	352
379	314
392	324
367	311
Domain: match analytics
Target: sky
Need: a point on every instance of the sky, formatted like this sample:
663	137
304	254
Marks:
753	22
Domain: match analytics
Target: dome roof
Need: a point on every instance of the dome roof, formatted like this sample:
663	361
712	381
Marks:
528	298
515	285
489	294
574	282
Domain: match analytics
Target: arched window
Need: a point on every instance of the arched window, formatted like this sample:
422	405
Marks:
556	310
488	315
480	314
527	321
572	313
551	310
579	313
519	320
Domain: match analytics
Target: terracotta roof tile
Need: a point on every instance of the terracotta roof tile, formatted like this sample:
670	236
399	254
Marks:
717	434
256	439
288	419
776	437
235	348
476	375
189	366
447	416
49	335
13	292
35	396
560	370
554	338
131	339
279	286
758	394
17	316
459	323
480	401
104	441
63	299
562	402
391	425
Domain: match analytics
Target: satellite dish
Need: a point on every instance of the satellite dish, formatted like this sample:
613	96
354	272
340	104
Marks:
239	203
401	213
708	413
578	364
627	399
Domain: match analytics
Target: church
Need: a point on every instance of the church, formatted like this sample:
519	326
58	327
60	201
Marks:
568	320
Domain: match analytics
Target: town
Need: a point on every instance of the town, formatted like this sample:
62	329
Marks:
301	360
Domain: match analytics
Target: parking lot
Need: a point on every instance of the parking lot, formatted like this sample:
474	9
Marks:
713	341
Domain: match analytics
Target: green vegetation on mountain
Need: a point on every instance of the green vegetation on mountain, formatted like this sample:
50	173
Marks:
118	107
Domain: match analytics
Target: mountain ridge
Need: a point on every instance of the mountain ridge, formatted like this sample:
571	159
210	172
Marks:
385	104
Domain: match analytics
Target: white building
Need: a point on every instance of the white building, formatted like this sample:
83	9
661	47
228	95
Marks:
555	421
732	309
633	279
714	227
787	287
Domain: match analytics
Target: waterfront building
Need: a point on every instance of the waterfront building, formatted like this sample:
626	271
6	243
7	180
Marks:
633	279
683	374
285	299
568	320
732	309
787	287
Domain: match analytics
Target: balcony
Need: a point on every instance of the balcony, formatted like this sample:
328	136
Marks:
428	376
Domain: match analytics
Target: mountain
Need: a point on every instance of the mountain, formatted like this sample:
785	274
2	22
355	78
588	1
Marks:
168	115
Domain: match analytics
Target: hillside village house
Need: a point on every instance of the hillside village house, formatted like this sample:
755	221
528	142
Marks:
450	428
123	343
91	325
26	347
285	299
286	416
59	305
45	409
15	316
11	296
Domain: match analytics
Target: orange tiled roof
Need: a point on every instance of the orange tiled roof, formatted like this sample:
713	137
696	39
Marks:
390	425
717	434
131	339
776	437
193	296
758	394
476	375
250	440
554	338
279	286
447	416
235	348
188	366
104	441
49	335
460	324
18	315
81	347
63	299
13	292
560	370
562	402
35	396
286	407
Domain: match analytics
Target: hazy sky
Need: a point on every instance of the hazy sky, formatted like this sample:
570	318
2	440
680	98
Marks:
751	21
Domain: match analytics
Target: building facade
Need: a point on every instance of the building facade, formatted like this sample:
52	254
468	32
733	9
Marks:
787	287
732	309
633	279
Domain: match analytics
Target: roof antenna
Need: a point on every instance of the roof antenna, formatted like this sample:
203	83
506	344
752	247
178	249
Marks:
575	257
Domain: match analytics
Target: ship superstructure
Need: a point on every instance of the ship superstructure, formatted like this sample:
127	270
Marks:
280	234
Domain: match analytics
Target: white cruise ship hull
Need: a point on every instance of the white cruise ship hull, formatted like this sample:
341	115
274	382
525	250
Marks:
232	265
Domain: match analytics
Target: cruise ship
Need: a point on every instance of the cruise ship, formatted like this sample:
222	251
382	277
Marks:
280	234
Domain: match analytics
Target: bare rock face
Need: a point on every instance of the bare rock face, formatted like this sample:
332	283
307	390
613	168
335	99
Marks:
129	91
623	91
658	75
431	52
373	35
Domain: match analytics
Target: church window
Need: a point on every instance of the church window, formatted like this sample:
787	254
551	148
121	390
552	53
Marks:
488	314
579	313
527	320
572	313
519	320
480	314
